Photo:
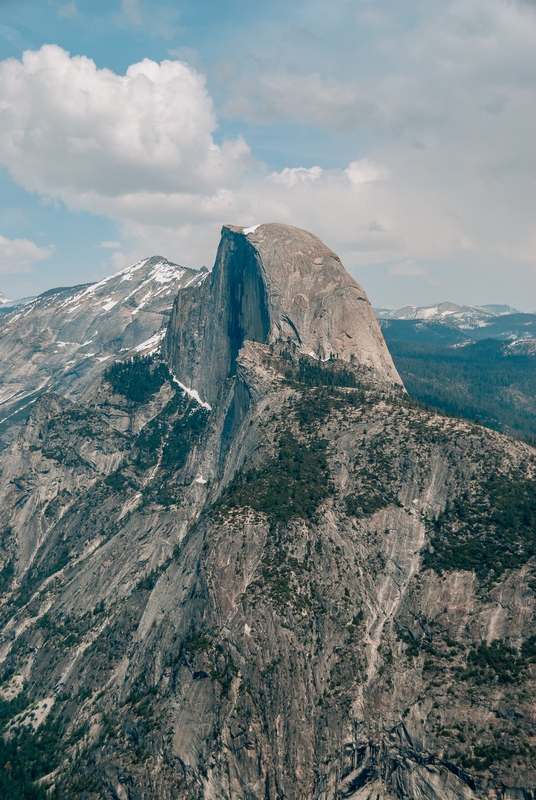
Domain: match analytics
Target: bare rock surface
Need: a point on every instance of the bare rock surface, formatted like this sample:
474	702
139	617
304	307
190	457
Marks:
273	283
314	590
63	340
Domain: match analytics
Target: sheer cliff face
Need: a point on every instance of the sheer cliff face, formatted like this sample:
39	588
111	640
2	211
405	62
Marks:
316	590
273	283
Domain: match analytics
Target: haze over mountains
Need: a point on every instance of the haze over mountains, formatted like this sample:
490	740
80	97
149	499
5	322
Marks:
238	560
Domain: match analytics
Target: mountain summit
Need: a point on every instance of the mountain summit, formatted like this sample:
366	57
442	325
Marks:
249	565
273	283
63	340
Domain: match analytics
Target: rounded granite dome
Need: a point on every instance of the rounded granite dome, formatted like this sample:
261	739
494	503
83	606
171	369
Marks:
313	299
273	282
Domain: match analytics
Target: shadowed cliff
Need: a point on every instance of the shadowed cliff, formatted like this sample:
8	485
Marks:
273	283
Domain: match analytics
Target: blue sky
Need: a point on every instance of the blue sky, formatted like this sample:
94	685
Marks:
401	134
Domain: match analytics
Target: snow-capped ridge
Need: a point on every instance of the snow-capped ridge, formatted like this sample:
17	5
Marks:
62	340
463	316
449	324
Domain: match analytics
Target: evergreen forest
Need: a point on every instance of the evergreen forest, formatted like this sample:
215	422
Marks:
479	381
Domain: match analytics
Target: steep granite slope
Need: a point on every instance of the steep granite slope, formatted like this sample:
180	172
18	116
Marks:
313	589
61	340
270	284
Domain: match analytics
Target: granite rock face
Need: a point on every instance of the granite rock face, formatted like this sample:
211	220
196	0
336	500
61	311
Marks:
63	340
273	283
315	589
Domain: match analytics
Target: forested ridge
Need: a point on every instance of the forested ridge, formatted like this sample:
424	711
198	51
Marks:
477	381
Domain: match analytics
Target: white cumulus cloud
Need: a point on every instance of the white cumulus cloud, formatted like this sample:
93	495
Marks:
73	131
454	176
19	255
290	176
366	171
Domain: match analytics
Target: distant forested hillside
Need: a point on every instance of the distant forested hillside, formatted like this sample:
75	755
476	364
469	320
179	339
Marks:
477	381
449	330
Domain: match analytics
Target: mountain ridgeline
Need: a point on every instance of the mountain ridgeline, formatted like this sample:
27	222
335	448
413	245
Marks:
248	565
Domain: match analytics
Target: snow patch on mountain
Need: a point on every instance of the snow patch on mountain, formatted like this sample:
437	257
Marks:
151	345
44	345
521	347
193	393
462	316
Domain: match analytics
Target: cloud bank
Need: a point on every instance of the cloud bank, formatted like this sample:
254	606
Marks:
449	170
73	131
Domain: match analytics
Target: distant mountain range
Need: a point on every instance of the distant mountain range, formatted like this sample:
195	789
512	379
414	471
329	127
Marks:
450	324
463	316
476	361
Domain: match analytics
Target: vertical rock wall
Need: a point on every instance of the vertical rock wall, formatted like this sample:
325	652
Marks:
274	283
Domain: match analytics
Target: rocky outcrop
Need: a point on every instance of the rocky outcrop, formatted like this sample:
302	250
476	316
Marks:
338	602
274	283
63	340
